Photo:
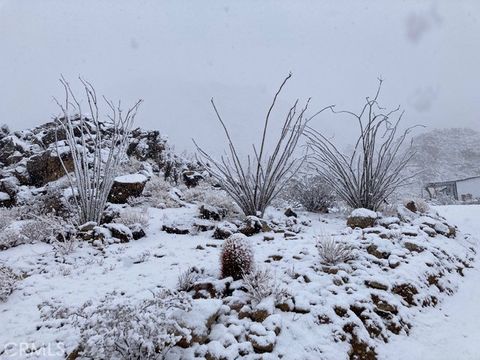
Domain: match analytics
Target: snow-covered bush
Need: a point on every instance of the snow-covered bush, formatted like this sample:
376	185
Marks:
310	192
158	193
187	278
236	258
261	284
53	202
120	327
11	237
131	216
204	193
331	252
7	216
8	281
35	231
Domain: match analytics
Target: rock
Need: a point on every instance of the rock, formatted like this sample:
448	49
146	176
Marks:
6	200
285	305
47	166
373	250
251	226
383	308
11	148
199	320
387	221
413	247
302	306
87	226
211	212
429	231
394	262
268	237
191	178
204	290
262	310
406	215
289	235
411	206
262	340
376	285
407	292
173	229
224	230
441	228
137	231
273	323
289	212
362	218
127	186
203	225
119	231
452	232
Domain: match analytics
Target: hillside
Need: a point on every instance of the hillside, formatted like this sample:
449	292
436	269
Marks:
446	154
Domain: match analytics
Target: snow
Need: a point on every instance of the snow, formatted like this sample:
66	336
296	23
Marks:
364	213
131	179
451	331
138	267
4	196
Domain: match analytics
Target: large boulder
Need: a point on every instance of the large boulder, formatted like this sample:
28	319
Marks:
47	166
6	200
362	218
127	186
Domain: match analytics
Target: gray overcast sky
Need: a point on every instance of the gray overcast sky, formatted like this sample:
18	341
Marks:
178	54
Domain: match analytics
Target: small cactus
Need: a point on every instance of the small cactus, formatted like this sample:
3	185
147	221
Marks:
236	258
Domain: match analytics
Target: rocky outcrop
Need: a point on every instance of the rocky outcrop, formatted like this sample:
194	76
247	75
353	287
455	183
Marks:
47	166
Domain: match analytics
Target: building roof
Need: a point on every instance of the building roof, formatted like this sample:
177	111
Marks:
450	182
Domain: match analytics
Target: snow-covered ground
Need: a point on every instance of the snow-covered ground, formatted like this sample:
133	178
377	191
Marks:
324	305
452	330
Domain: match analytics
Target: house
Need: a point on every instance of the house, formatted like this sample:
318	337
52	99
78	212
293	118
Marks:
463	189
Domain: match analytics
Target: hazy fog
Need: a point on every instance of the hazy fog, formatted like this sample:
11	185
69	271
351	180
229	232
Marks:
178	54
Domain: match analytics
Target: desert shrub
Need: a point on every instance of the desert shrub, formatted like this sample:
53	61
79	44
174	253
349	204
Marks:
8	281
261	284
7	217
253	184
187	278
236	258
377	167
310	192
48	228
331	252
11	237
158	193
208	195
131	216
35	231
119	327
389	209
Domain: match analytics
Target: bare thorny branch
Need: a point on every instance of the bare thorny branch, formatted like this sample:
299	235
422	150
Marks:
255	184
375	168
94	163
